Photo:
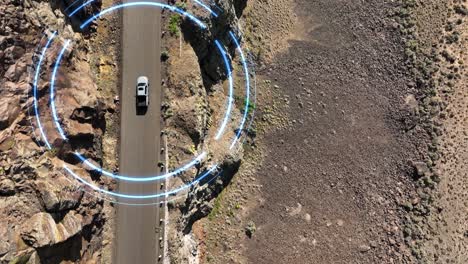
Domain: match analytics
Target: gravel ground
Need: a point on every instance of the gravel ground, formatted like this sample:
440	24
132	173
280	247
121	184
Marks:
333	181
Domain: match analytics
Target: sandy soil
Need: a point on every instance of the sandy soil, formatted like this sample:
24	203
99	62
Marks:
446	229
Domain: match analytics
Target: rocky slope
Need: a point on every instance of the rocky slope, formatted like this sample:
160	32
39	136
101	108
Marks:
44	216
195	98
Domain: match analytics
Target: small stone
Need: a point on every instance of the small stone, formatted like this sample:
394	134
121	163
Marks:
7	187
364	248
340	222
420	168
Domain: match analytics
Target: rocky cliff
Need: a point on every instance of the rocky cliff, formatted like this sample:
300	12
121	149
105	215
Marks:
195	102
44	216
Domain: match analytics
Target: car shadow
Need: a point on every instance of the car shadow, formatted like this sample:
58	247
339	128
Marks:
141	110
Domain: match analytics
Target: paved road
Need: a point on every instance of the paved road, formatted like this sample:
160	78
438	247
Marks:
136	237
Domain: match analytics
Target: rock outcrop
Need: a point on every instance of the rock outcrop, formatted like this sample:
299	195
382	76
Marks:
194	110
203	41
44	216
199	200
41	230
58	195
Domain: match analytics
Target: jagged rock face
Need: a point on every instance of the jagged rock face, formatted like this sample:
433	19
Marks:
40	212
196	109
203	41
188	119
58	196
198	203
41	230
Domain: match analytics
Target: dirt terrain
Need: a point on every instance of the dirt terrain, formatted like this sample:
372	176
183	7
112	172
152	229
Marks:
332	179
345	166
445	230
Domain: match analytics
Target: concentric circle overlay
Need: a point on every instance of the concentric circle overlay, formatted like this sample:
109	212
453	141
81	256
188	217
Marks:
152	178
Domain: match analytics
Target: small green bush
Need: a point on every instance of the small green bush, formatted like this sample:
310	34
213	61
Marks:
174	24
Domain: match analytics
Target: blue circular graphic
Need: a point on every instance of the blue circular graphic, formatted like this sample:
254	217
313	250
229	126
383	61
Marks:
195	161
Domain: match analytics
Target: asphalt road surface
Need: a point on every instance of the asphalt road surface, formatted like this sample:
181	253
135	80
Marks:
137	237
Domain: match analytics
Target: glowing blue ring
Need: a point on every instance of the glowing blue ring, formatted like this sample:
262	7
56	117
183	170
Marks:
89	164
36	77
78	8
141	179
175	9
122	177
128	196
52	94
179	189
135	204
90	1
247	85
172	8
206	7
71	5
231	93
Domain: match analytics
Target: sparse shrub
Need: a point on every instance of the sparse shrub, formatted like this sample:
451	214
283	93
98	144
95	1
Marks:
452	38
174	24
250	229
164	55
216	209
461	10
52	152
168	113
192	149
182	5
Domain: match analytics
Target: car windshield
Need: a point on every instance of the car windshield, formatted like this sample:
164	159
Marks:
141	84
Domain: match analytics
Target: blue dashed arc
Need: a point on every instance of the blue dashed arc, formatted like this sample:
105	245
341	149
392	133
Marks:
121	177
127	178
150	196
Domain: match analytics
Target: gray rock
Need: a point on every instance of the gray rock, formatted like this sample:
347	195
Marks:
7	187
421	168
9	110
15	71
13	52
364	248
41	230
58	196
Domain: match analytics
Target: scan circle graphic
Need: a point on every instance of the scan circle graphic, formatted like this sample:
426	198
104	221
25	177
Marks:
213	171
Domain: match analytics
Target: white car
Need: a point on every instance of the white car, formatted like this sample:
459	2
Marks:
142	91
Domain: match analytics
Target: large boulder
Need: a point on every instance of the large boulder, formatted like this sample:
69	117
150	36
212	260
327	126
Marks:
41	230
15	71
58	195
9	110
